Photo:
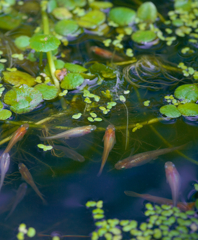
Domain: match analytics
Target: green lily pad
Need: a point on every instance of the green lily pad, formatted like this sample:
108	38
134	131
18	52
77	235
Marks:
23	99
185	5
103	70
18	78
188	109
11	20
71	4
5	114
100	5
92	19
143	37
48	92
22	42
170	111
1	105
44	42
66	27
75	68
147	12
72	81
122	16
61	13
188	92
59	64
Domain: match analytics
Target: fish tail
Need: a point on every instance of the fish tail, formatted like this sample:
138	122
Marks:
132	194
100	171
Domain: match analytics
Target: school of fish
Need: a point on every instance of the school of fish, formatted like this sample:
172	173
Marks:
172	175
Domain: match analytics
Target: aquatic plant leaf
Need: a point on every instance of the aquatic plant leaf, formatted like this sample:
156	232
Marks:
170	111
100	5
188	109
72	81
44	42
122	16
184	5
5	114
71	4
11	20
1	105
1	67
92	19
66	27
61	13
23	99
74	68
59	64
22	42
18	78
52	4
188	92
143	37
105	71
48	92
147	12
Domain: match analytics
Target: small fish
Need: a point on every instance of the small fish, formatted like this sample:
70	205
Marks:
4	165
160	200
109	141
18	135
19	196
74	132
142	158
105	53
173	179
70	153
28	178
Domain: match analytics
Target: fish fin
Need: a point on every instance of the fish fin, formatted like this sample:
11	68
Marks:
42	138
100	171
132	152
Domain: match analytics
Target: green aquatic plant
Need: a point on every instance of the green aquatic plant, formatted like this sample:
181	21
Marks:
163	222
183	102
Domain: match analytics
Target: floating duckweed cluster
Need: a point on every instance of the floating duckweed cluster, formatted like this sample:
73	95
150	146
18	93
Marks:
164	222
188	71
23	232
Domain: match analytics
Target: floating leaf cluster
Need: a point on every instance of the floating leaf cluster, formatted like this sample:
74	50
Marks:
183	102
164	222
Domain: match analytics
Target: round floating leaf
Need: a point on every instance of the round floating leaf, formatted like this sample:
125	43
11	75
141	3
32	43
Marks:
147	12
184	5
105	71
170	111
5	114
18	78
188	109
22	42
92	19
23	99
1	105
100	5
61	13
11	20
74	68
143	37
72	81
48	92
44	42
66	27
122	16
188	92
71	4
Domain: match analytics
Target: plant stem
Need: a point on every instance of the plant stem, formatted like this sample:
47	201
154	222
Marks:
49	54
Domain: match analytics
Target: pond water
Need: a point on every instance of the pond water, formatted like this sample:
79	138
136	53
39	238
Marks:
66	184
